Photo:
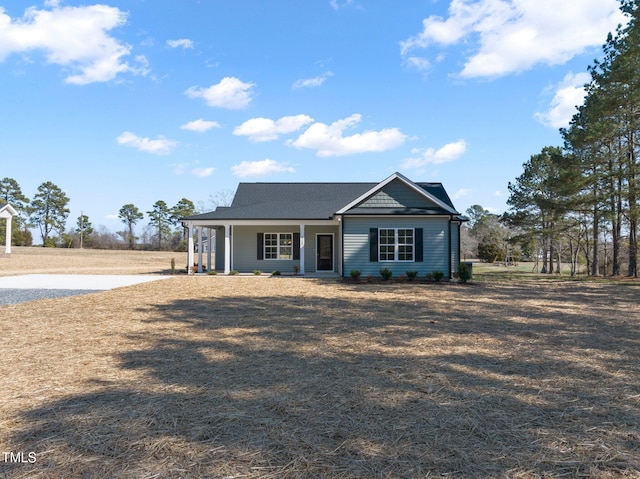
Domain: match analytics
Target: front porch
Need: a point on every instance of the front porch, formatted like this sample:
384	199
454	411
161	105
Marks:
287	246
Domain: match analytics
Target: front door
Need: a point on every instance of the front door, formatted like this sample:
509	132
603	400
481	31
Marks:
324	253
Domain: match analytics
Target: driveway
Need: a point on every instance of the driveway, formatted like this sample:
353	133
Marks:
29	287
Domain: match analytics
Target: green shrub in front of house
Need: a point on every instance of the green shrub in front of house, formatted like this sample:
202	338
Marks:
411	275
234	272
213	272
257	272
386	273
275	273
464	272
438	275
355	274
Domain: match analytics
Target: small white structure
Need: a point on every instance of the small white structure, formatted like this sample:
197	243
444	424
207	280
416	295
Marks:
8	212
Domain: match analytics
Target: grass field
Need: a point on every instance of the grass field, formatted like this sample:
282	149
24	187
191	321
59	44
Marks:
35	260
245	377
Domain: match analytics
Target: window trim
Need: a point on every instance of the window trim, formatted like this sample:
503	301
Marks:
396	246
278	245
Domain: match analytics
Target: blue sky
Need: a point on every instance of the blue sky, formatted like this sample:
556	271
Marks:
136	101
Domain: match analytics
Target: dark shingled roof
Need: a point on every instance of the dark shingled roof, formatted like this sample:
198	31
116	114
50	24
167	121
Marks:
274	201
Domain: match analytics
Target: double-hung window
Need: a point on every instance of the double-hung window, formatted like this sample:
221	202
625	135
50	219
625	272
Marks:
278	246
396	244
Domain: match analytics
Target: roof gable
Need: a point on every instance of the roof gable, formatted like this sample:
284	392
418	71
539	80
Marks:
397	195
397	191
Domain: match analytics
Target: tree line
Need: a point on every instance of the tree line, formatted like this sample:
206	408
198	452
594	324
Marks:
580	201
48	212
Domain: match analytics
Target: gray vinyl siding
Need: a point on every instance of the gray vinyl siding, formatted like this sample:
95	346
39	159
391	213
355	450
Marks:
455	247
245	247
435	240
397	195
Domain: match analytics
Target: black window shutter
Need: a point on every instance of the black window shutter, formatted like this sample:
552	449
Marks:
296	245
260	246
373	245
419	248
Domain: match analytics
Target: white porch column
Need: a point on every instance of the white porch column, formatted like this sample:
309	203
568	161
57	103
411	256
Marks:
7	248
209	244
227	249
199	249
302	249
190	248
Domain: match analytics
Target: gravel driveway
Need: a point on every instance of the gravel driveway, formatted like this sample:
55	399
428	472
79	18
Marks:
29	287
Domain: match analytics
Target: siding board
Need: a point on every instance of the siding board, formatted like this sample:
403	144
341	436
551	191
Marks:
435	233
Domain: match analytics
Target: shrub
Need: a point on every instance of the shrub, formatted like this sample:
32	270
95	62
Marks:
386	273
464	272
438	275
173	266
411	275
275	273
355	274
234	272
429	276
257	272
212	272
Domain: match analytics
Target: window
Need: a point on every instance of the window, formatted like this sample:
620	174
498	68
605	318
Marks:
396	244
278	246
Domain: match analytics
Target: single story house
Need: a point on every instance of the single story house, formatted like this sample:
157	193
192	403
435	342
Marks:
332	228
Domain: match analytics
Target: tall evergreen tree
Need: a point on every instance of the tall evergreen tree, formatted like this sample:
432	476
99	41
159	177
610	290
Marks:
49	210
160	219
183	208
540	199
129	214
605	135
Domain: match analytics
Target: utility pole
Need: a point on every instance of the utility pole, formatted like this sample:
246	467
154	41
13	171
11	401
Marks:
81	227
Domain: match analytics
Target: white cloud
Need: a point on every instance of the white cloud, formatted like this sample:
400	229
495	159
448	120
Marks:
260	168
431	156
159	146
569	94
181	43
461	193
230	93
74	37
200	125
265	129
419	63
112	216
312	82
337	5
516	35
203	172
328	139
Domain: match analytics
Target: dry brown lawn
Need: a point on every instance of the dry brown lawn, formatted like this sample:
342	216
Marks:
37	260
255	377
